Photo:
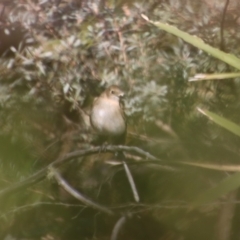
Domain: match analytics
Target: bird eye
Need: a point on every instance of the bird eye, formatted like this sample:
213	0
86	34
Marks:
112	92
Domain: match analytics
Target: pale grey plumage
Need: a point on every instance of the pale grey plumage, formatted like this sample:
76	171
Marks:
107	115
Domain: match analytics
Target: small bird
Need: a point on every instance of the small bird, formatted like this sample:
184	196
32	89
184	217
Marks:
107	115
108	119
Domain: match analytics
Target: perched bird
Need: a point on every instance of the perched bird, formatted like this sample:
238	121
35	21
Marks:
108	119
107	116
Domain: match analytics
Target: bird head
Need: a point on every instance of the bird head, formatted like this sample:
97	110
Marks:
114	92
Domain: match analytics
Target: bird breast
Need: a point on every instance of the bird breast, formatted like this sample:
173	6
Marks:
107	117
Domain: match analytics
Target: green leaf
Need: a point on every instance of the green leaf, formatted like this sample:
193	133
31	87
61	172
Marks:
215	76
225	186
223	122
197	42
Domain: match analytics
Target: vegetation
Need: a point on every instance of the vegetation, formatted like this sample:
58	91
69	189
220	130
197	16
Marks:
56	56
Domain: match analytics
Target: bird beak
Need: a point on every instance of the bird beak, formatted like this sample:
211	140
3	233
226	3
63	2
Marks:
121	95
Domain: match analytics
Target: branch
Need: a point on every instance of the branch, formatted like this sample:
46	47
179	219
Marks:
131	182
62	182
222	43
118	226
40	175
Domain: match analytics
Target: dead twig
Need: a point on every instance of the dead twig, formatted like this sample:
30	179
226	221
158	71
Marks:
76	194
41	174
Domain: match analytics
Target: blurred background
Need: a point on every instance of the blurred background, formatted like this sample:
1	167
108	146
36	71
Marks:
56	57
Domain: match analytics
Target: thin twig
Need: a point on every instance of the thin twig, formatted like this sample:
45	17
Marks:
131	182
222	43
41	174
36	204
119	224
76	194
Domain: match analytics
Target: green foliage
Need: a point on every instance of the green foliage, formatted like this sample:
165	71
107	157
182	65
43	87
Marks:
197	42
227	185
223	122
72	50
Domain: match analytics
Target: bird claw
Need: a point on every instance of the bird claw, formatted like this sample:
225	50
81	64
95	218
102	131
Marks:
104	147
